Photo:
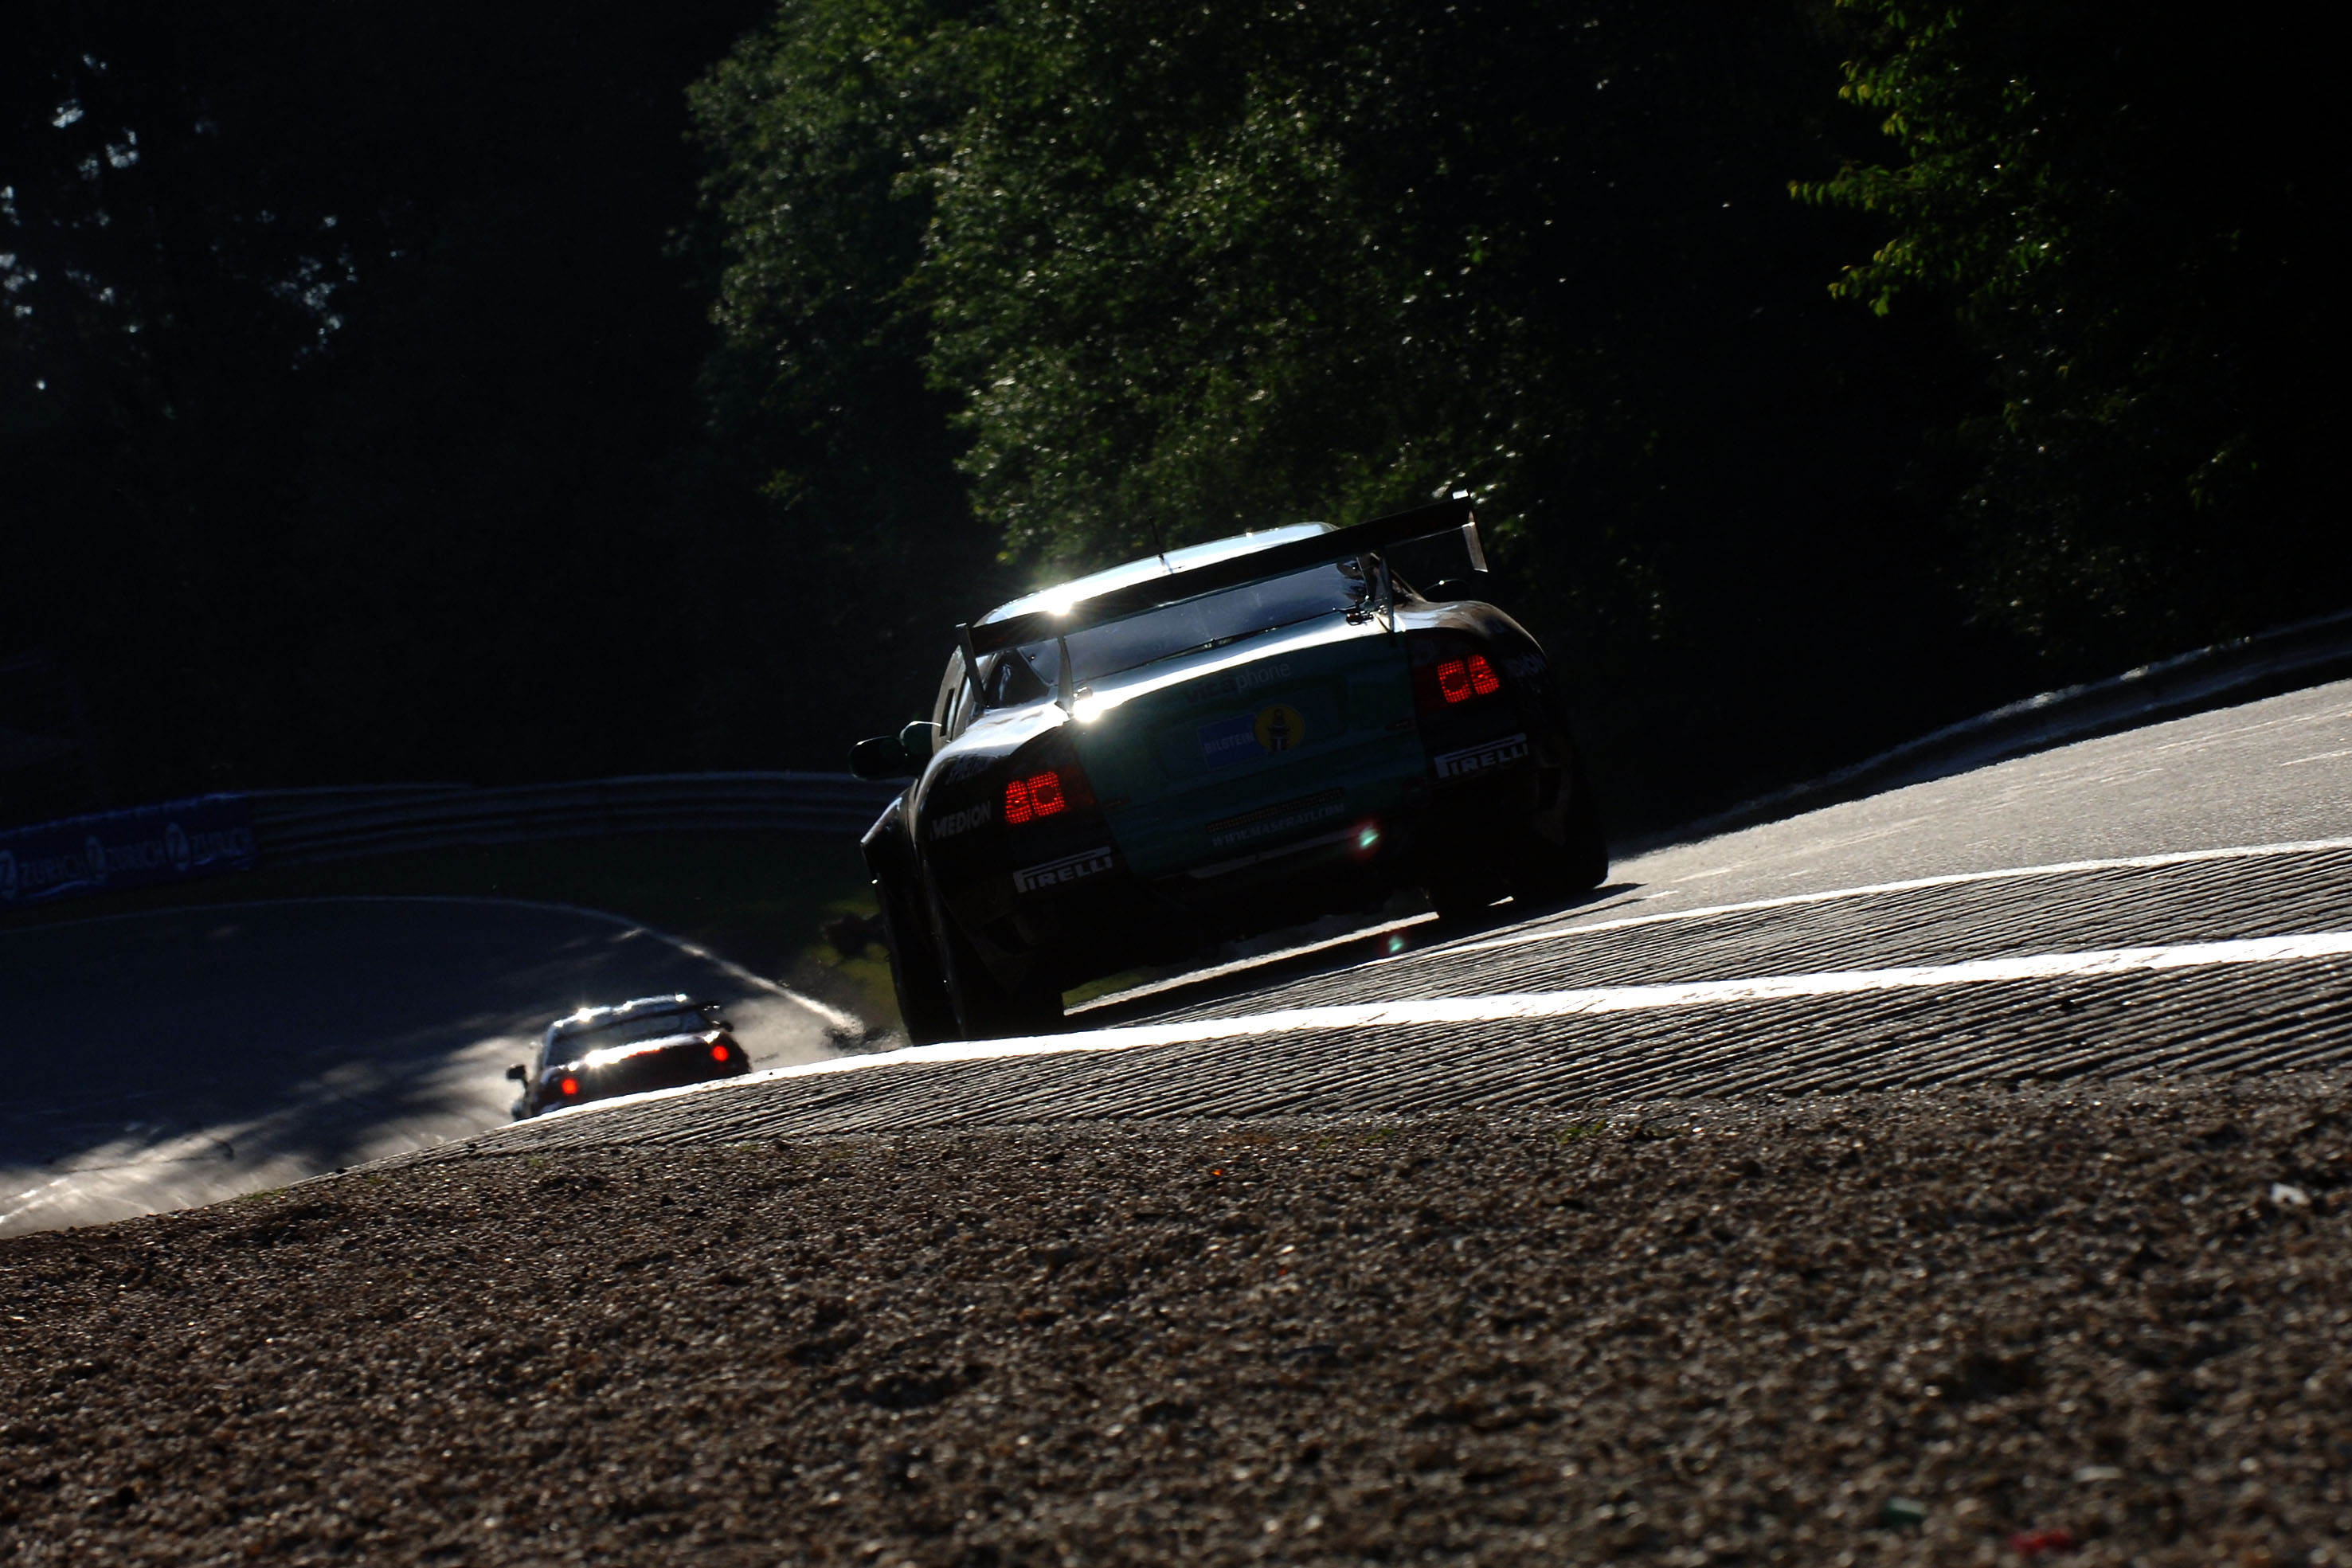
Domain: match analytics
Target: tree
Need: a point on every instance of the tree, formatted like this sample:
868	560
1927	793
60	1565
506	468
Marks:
1198	270
2129	211
349	414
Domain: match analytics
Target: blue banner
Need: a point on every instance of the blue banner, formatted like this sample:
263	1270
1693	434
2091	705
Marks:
108	851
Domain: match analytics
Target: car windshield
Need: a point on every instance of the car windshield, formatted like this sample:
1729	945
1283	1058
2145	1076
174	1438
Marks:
1208	621
573	1044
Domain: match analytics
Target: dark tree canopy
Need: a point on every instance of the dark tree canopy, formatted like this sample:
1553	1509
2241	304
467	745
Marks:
2131	208
357	411
538	390
1201	271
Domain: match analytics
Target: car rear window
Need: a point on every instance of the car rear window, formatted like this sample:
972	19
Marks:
1205	622
577	1044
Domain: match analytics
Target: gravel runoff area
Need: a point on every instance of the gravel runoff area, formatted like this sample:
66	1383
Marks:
2105	1324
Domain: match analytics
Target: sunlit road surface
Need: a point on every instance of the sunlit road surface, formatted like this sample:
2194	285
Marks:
157	1060
2173	901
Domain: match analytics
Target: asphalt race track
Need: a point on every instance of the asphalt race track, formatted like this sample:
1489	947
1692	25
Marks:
1962	1176
2173	901
2081	912
164	1059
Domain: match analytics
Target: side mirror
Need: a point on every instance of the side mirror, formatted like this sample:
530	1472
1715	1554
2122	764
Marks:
899	755
519	1073
879	758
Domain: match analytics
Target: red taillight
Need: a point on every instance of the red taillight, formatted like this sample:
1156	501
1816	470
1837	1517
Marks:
1039	795
570	1086
1450	681
1045	781
718	1053
1459	680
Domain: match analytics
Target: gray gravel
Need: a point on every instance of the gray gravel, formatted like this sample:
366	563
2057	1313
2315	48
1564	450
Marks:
1680	1334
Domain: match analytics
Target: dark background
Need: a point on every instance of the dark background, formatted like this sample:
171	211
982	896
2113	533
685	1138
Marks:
448	391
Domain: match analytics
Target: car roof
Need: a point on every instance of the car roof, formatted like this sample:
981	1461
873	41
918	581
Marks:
1175	561
587	1016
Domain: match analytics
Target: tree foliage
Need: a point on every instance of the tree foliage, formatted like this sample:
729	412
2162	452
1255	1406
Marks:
376	401
1186	271
2130	211
358	416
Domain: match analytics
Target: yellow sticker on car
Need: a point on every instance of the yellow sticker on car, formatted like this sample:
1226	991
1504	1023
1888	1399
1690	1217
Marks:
1280	727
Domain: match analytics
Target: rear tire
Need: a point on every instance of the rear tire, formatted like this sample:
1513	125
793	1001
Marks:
984	1009
1462	899
1564	856
924	1007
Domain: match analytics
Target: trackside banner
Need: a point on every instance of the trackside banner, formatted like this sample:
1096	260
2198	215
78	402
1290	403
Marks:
107	851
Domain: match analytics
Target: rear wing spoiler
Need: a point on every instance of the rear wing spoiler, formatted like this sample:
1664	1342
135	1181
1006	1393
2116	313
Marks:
1154	593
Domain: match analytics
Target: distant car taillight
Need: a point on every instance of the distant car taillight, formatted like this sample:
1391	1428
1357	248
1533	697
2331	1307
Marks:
1446	682
720	1053
568	1086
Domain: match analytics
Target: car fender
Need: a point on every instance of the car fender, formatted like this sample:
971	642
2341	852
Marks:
888	847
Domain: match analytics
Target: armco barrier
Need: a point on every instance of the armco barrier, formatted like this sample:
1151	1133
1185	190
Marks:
2306	653
301	827
172	840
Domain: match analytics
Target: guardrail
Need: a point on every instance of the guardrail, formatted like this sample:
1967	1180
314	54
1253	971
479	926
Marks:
301	827
2305	654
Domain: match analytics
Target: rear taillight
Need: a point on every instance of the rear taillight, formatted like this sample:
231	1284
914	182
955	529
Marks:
720	1053
1448	681
1459	680
1039	795
569	1086
1047	781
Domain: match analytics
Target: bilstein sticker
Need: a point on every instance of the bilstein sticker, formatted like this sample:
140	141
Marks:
1069	868
1478	758
1229	740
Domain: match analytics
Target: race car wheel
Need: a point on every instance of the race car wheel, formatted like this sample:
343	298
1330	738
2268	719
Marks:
1564	853
1461	898
983	1009
923	1004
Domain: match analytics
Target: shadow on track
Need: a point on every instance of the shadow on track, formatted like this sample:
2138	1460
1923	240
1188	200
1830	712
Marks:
1308	955
157	1060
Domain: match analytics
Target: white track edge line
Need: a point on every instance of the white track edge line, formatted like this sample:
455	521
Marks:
1958	879
1530	1005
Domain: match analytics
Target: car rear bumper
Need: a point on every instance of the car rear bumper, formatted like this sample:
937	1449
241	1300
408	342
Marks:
1325	863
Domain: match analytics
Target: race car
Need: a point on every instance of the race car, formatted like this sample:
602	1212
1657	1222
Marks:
653	1042
1215	742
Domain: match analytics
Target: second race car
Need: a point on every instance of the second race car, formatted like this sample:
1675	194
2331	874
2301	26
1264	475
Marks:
652	1042
1215	742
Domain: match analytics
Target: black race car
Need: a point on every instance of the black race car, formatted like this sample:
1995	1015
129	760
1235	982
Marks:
653	1042
1217	741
